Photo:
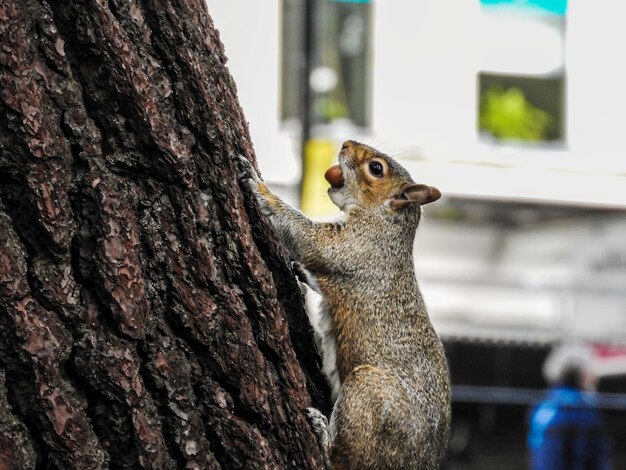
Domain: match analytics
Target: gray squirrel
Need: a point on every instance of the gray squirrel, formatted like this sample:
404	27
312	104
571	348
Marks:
385	362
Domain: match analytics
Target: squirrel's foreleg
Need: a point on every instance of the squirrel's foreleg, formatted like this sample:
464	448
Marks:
293	227
310	243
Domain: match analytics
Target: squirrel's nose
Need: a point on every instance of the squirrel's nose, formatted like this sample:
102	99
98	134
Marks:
347	144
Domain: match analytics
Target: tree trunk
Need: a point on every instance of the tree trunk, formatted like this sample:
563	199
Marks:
143	323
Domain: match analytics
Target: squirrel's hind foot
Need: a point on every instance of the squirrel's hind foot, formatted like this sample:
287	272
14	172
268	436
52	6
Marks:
319	425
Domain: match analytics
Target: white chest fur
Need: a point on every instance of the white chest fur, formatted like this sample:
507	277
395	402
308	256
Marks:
320	319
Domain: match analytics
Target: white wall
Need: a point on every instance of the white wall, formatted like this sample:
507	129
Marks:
424	72
597	78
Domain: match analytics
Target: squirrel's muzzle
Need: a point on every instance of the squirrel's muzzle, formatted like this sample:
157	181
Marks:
334	176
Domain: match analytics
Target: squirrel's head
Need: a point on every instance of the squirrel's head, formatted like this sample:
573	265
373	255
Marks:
370	179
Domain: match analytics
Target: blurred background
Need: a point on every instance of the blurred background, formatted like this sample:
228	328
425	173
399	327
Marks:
516	111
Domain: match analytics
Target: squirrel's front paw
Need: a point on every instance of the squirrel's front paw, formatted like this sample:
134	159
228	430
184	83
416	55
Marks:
250	178
246	171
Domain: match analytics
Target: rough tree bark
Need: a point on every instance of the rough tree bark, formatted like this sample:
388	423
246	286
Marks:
143	322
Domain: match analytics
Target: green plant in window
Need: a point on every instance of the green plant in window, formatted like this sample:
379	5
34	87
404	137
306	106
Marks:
507	114
328	109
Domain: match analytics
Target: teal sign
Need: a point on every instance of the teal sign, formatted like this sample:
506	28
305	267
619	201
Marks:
557	7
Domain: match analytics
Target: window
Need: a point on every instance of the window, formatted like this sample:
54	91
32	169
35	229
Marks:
521	84
340	79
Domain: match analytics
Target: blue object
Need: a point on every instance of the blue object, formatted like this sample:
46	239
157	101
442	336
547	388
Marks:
557	7
567	433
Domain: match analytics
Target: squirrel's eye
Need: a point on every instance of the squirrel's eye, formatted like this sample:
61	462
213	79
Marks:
376	168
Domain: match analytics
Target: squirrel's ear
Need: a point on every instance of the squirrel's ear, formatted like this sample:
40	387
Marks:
415	193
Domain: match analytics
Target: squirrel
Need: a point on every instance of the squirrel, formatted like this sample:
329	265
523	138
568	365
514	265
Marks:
385	362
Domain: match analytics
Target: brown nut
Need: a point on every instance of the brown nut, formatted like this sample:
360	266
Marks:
334	176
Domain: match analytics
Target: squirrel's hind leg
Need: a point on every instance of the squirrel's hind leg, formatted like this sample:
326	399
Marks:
373	423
